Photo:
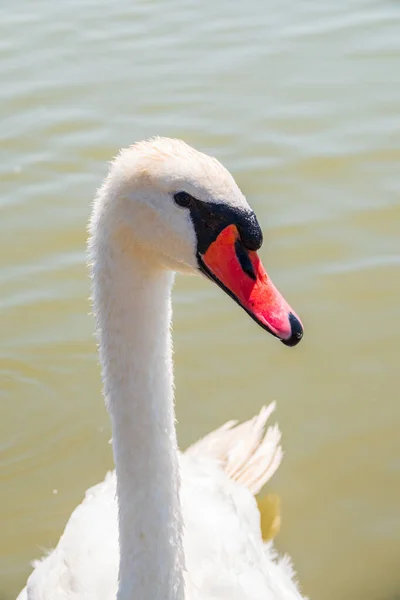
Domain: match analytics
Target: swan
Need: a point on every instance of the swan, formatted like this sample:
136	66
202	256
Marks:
168	525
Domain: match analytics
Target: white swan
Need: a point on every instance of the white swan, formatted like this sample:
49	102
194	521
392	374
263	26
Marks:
165	207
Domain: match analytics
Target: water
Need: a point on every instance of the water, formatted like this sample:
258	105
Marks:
301	101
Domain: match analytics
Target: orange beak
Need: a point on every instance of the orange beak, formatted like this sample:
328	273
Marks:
241	274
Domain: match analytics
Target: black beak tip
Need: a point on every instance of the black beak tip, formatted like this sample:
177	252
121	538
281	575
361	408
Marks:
297	331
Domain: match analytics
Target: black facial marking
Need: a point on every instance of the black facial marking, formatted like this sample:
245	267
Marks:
210	218
250	231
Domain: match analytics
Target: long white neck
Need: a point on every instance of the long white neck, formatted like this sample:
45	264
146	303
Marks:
132	303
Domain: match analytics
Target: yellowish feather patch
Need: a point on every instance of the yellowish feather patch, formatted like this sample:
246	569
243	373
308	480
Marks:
269	507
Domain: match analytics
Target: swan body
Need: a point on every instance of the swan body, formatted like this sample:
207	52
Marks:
167	525
222	525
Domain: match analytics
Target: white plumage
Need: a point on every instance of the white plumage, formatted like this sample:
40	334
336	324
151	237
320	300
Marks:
225	555
176	525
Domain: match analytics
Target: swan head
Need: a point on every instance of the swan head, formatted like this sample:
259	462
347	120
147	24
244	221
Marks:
183	210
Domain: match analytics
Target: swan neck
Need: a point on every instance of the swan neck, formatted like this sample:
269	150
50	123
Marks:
132	302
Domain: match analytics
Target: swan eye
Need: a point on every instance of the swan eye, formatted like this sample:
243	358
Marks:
183	199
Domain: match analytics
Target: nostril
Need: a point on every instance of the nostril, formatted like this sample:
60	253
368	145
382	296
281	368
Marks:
297	331
244	259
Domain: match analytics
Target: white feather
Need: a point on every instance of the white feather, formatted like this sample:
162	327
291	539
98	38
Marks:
165	526
224	551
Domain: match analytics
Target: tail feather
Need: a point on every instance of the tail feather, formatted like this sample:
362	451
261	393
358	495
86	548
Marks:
248	453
